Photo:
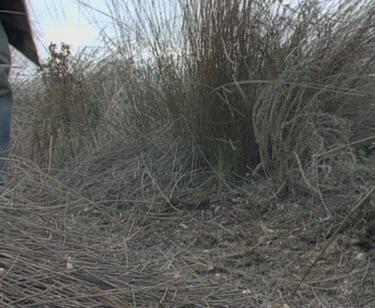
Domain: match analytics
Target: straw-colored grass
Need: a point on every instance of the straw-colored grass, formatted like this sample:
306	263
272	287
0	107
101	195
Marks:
150	174
252	84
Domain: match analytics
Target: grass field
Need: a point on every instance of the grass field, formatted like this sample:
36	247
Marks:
202	160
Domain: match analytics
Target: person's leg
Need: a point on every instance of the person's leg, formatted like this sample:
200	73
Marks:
5	104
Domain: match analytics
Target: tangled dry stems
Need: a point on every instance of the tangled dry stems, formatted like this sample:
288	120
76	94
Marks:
61	249
310	109
112	228
74	242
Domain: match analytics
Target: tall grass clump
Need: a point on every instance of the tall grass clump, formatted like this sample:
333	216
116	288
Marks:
305	117
247	83
199	65
254	81
197	55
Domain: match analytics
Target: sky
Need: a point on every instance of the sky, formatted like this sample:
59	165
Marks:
75	24
67	21
79	23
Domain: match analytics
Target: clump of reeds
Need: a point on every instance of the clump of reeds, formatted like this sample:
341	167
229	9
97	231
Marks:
250	83
308	111
258	81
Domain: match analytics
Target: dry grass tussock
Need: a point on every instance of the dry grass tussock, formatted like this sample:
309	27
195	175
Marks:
323	93
249	83
123	192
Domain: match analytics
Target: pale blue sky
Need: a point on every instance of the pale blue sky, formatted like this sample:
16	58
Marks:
72	22
79	22
67	21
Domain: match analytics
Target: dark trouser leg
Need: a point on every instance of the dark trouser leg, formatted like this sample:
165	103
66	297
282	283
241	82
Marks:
5	104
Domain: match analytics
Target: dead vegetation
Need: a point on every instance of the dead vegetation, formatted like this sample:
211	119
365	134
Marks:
201	164
204	248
